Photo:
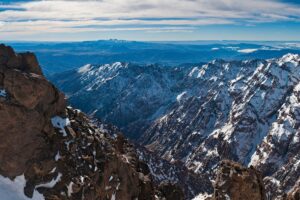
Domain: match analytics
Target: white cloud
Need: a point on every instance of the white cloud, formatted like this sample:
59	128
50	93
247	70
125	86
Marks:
156	15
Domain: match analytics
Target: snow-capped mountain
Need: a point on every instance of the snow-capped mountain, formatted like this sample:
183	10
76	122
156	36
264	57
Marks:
246	111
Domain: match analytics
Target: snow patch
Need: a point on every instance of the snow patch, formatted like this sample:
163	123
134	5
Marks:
60	123
52	183
3	93
14	190
113	196
70	188
57	156
213	78
181	96
202	196
84	69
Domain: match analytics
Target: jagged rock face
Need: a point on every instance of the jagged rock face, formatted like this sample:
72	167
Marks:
255	107
25	62
294	193
236	182
233	115
278	154
48	151
170	191
93	166
164	172
27	102
114	92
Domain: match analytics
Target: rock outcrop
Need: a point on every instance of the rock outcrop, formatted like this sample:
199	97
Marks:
164	172
55	152
27	103
236	182
294	193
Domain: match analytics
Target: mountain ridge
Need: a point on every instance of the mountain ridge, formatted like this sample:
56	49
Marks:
207	113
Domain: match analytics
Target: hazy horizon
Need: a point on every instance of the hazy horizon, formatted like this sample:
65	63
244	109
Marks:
151	41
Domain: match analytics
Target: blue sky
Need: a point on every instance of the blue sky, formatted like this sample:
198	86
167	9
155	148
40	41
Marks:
74	20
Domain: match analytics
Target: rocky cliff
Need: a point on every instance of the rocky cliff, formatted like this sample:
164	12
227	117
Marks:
236	182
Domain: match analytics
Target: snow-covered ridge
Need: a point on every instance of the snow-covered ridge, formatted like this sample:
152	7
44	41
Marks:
85	68
108	67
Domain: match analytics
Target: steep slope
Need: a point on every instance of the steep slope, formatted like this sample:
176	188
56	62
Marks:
114	92
252	119
164	172
236	182
49	151
278	154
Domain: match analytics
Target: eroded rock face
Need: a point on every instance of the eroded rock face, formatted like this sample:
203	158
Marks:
25	62
89	164
27	102
236	182
170	191
294	193
164	172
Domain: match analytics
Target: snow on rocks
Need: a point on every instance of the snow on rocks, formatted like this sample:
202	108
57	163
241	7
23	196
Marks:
3	93
255	106
240	110
181	96
85	68
203	196
57	156
14	189
60	123
52	183
70	189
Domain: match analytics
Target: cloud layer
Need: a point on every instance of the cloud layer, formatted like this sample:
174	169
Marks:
28	17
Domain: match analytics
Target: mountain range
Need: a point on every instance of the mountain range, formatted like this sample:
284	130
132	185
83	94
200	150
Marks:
61	56
199	115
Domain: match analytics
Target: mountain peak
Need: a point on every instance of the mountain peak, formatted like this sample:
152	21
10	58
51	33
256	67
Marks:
290	59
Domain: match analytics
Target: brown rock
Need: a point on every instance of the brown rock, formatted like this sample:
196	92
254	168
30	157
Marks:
25	115
21	136
294	193
25	62
140	188
171	191
30	63
6	54
236	182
